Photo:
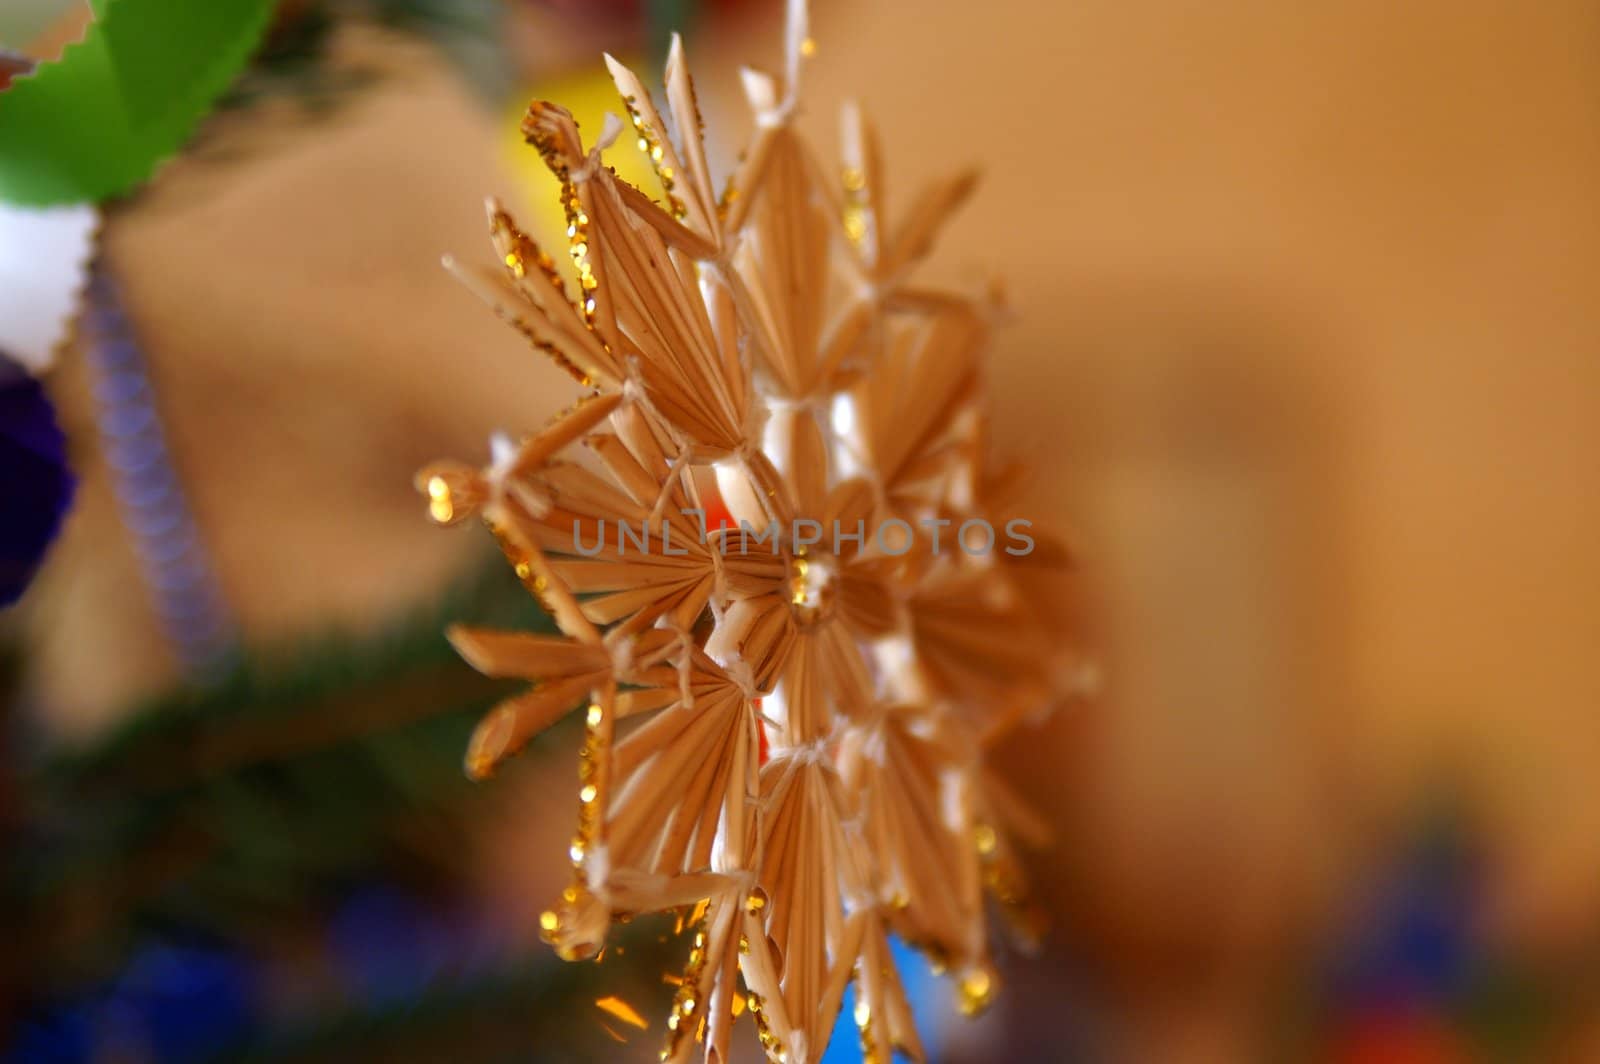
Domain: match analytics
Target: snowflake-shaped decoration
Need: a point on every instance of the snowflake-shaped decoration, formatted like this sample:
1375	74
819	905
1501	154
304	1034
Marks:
785	715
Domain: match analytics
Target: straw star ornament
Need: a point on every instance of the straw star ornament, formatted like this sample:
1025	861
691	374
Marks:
785	711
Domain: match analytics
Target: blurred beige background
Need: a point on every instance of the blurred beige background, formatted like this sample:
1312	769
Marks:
1308	349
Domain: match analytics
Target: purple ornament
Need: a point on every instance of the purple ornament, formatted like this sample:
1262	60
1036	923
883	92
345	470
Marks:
35	484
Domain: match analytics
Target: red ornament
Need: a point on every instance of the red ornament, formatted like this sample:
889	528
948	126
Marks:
1399	1038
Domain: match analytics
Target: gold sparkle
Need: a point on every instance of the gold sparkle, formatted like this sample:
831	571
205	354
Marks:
623	1011
975	992
440	506
984	836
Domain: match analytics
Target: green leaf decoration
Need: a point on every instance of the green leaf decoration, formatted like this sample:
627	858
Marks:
99	121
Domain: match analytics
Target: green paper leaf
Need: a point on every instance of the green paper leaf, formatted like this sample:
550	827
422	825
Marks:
122	100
